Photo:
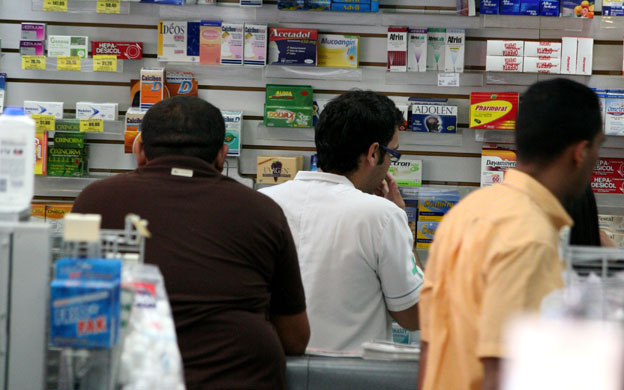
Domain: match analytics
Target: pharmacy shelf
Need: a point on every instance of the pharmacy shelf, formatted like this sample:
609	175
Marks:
305	134
510	78
113	130
86	66
613	142
495	136
466	79
610	204
220	72
611	23
570	24
312	72
319	17
535	22
62	186
82	7
225	12
427	19
430	139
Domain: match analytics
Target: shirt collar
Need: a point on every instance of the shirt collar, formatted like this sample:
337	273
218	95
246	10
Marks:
323	176
540	194
198	165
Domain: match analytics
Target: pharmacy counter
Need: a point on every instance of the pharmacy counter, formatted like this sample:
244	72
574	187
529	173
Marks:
326	373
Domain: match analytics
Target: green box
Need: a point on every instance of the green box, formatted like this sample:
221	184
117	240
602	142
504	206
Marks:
67	166
67	125
69	140
288	106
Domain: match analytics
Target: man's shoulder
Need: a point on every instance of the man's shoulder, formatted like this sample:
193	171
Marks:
112	183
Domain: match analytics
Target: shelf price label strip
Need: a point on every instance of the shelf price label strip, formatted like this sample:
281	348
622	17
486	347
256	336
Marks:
68	63
34	62
91	125
104	63
55	5
44	122
108	6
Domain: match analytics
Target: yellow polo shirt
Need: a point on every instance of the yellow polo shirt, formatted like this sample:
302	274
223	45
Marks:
494	255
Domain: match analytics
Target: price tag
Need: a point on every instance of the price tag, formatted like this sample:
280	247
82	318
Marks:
55	5
448	79
108	6
91	125
44	122
34	62
68	63
103	63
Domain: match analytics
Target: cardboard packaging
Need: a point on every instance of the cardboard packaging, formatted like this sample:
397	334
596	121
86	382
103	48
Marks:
607	185
293	46
495	161
612	167
55	109
436	49
504	64
134	119
210	42
175	40
33	31
433	118
37	212
276	170
614	223
41	152
31	48
549	8
405	111
407	173
434	204
612	8
71	140
90	110
505	48
232	43
539	65
577	8
530	7
613	114
489	7
454	50
542	49
493	111
233	130
584	56
347	7
54	214
397	49
339	51
288	106
425	232
121	50
255	44
67	162
417	50
152	81
569	47
68	46
510	7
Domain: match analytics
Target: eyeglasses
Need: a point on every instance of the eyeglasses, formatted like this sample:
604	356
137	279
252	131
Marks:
394	155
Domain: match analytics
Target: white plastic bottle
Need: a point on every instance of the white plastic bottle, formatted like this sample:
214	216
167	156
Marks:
17	160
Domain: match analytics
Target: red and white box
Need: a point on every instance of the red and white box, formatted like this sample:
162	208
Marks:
607	185
613	167
397	49
542	49
504	64
584	56
568	55
542	65
505	48
123	50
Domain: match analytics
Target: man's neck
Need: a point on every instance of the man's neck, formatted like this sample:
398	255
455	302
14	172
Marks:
549	177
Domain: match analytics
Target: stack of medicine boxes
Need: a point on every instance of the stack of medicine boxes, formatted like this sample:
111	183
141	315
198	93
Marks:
330	5
32	39
68	156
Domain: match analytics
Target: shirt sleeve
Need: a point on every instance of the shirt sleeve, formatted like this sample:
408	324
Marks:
401	279
516	281
287	295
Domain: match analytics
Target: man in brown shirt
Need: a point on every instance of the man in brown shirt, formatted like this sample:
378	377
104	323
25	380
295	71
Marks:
226	252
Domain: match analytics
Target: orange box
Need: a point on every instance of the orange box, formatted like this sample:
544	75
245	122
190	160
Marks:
38	211
152	86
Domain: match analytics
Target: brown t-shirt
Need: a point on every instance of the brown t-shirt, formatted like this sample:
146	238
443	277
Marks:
228	259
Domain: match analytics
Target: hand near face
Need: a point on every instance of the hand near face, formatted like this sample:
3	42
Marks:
389	189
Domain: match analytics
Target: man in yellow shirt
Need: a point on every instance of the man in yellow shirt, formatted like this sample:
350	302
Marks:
495	253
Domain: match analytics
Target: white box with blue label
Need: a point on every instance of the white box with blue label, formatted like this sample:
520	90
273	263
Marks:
433	118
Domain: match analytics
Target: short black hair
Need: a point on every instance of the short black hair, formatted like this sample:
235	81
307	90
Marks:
553	115
584	212
349	124
183	126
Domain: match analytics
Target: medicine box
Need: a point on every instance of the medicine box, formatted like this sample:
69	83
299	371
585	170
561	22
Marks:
173	42
288	106
433	204
41	152
549	8
454	50
614	114
542	65
90	110
292	46
433	118
339	51
63	139
152	91
397	49
134	119
255	44
493	111
232	43
407	173
489	7
210	42
121	50
577	8
607	184
542	49
425	232
37	212
350	7
55	109
495	161
504	48
530	7
504	64
54	214
33	31
436	49
510	7
614	223
31	48
417	50
233	130
613	167
612	8
276	170
584	56
68	46
569	46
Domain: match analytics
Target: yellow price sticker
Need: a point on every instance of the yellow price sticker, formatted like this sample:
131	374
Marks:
34	62
68	63
108	6
91	125
102	63
55	5
44	122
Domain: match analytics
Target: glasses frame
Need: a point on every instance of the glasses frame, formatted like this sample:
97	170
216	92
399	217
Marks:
395	155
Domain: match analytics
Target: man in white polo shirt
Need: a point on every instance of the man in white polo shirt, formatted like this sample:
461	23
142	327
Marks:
350	228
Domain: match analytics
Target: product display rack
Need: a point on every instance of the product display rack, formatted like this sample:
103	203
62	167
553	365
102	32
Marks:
86	66
431	78
82	6
312	72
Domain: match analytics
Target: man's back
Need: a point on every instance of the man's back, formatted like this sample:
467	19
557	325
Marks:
227	256
354	254
494	255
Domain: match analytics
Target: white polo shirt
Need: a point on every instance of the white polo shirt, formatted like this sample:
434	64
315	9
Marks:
355	255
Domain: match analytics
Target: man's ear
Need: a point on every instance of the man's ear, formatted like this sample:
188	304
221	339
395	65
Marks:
580	152
221	156
139	151
373	154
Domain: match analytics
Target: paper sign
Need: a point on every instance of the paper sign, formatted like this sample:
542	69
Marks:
448	79
108	6
44	122
68	63
34	62
55	5
104	63
91	125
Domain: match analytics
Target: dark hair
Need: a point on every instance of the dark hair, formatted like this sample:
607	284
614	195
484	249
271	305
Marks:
349	124
553	115
584	213
183	126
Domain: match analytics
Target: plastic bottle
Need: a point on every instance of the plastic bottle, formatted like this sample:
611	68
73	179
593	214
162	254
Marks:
17	160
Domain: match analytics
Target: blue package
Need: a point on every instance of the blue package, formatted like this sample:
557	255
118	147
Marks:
549	8
510	7
192	39
314	163
84	314
613	9
432	204
345	7
291	5
489	7
530	7
433	118
352	1
88	269
318	5
374	6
